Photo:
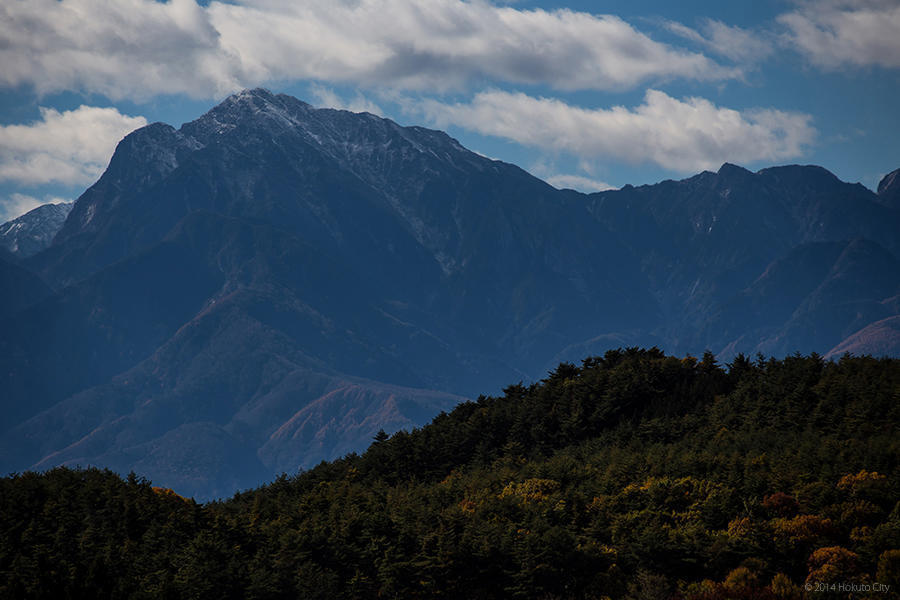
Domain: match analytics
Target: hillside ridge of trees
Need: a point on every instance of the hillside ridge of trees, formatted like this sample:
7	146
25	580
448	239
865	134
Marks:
635	475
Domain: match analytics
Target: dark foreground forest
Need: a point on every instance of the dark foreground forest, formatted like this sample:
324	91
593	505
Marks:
635	475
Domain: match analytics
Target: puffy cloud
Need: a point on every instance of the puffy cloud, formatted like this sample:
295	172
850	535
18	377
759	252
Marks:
120	48
578	182
735	43
682	135
18	204
846	33
71	147
139	48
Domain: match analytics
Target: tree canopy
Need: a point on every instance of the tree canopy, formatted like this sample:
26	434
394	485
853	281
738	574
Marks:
633	475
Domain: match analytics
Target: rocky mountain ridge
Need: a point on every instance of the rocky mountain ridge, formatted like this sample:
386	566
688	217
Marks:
34	231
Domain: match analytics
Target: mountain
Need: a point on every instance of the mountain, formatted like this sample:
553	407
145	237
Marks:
33	231
732	257
271	284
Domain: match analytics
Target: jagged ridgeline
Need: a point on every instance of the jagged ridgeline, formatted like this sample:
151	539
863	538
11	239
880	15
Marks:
634	475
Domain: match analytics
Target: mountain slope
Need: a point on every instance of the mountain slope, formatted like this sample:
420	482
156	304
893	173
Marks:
881	338
21	288
265	327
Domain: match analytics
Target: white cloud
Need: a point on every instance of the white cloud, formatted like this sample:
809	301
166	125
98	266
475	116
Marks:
735	43
846	33
327	98
120	48
71	147
19	204
578	182
140	48
683	135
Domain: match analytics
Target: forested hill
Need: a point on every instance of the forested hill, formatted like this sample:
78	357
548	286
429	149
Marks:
636	475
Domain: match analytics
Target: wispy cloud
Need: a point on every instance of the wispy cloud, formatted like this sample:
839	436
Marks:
578	182
140	48
682	135
846	33
737	44
327	98
71	147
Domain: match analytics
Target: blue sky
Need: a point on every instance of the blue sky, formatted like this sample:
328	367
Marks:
583	94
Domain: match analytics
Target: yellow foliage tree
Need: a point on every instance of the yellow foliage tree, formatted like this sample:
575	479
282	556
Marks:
833	564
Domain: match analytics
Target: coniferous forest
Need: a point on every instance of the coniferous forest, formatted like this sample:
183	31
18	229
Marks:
635	475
